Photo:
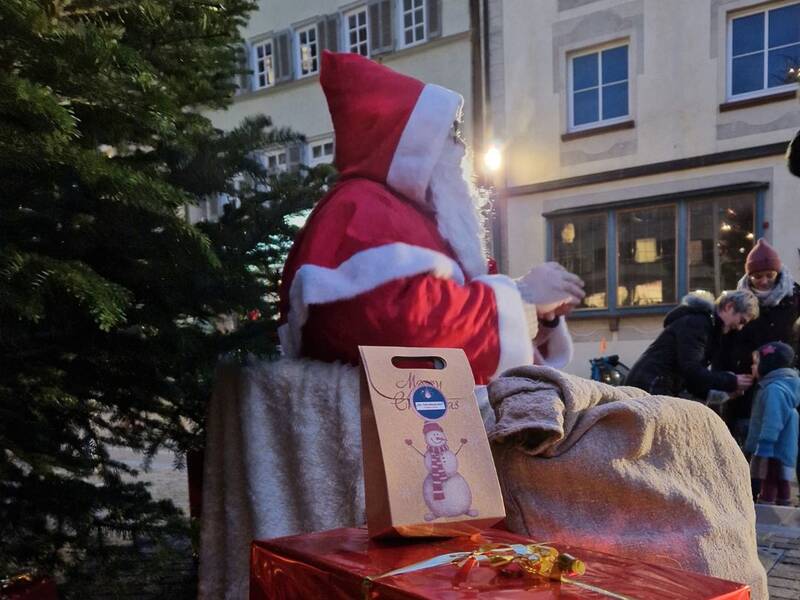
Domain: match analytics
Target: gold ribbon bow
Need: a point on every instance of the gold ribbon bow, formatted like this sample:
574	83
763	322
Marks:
534	559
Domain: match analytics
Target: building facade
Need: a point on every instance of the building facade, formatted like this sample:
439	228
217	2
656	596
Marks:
644	148
432	40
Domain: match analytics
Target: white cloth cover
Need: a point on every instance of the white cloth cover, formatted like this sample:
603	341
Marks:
282	456
654	478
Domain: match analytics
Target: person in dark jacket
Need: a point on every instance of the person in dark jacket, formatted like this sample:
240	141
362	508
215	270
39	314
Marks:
779	307
678	359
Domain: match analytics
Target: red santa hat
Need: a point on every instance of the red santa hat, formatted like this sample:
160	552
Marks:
431	426
389	127
762	257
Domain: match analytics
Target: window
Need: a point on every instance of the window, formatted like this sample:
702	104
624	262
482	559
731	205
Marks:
655	262
263	69
320	152
412	22
599	87
720	236
356	31
763	50
276	161
579	244
646	256
307	51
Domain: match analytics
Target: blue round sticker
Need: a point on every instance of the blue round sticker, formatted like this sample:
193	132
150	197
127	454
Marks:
429	402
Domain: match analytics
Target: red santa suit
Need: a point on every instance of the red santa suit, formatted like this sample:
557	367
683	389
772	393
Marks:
371	266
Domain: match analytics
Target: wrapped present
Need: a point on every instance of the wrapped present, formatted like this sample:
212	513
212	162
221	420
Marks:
28	586
345	563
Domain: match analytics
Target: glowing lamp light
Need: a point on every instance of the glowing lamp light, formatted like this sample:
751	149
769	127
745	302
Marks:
568	233
493	159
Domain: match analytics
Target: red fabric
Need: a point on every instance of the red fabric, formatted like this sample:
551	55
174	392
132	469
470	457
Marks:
762	257
39	589
333	565
369	105
422	311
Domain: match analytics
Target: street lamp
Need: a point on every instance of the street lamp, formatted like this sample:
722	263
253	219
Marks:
492	164
493	159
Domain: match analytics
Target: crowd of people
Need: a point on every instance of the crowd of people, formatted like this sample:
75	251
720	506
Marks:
738	353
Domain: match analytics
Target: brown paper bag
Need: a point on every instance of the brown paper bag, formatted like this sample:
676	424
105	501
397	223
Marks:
428	469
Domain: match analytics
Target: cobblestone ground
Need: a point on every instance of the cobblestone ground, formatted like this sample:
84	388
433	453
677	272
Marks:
149	573
778	530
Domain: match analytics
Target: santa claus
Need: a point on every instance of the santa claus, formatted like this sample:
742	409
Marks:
393	255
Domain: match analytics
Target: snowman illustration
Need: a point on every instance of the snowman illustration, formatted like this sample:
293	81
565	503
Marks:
446	493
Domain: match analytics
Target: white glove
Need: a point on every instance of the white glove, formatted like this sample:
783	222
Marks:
549	286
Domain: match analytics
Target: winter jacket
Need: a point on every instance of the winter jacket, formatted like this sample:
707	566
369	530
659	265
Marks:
774	421
678	359
774	324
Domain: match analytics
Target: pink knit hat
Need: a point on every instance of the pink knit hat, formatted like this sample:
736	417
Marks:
762	258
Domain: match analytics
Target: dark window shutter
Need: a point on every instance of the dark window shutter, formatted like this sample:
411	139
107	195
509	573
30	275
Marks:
294	157
381	26
328	29
244	79
434	18
283	56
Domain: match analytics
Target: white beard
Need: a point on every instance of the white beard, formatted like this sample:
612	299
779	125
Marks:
456	201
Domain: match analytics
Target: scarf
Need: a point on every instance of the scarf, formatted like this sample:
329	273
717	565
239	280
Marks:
437	470
784	286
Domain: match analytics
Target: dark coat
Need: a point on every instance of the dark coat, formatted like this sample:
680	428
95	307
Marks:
774	324
678	359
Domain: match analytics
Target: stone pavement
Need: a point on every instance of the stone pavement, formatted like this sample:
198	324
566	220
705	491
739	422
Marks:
778	532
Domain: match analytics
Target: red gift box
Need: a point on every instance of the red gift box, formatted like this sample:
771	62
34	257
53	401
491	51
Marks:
335	564
28	587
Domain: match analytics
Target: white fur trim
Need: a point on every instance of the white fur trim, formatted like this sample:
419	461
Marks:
516	347
362	272
558	348
422	140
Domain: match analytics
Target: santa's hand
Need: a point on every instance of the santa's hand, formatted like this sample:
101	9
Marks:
550	286
409	441
463	440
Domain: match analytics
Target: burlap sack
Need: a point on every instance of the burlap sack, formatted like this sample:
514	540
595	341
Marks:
655	478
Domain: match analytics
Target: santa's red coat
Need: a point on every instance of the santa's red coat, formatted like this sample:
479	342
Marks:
372	269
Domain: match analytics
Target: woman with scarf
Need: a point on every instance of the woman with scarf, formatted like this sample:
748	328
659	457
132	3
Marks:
779	308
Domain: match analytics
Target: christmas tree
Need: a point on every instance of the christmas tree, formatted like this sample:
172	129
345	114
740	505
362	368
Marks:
111	302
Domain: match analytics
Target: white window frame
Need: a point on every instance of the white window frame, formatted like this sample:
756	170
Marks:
766	90
298	52
322	159
354	12
269	71
401	29
570	84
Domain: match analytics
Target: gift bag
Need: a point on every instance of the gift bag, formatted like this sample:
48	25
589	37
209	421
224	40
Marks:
428	468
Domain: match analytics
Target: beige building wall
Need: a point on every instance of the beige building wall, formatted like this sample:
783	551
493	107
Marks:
683	132
300	104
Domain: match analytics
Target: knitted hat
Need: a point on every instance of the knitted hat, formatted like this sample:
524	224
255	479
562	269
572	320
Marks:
762	258
431	426
774	355
389	127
